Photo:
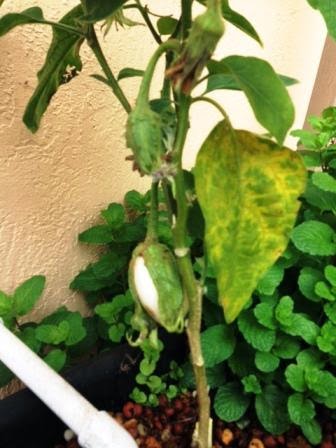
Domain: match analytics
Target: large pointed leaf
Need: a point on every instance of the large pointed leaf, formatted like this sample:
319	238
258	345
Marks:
11	20
248	189
61	63
265	92
328	10
101	9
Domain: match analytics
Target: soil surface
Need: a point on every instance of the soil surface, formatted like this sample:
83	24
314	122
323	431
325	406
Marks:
172	424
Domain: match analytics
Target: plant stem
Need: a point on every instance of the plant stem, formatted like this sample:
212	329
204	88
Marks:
152	227
147	78
186	16
214	103
144	13
98	52
168	199
190	285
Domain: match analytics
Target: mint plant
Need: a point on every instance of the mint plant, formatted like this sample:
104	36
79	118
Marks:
59	338
248	211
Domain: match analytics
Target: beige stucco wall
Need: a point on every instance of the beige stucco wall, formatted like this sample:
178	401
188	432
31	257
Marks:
53	183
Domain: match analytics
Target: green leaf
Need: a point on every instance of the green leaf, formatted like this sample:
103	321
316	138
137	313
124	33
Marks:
135	201
62	56
330	274
324	181
6	375
323	200
307	280
72	319
327	9
53	334
286	347
6	304
241	362
114	215
56	359
295	376
11	20
28	337
265	92
216	376
310	357
239	21
322	382
271	280
218	343
314	238
284	311
303	327
251	384
128	72
312	431
326	341
300	409
101	234
230	402
322	289
101	9
266	362
264	312
27	294
330	311
87	281
259	337
166	25
117	332
138	396
109	311
271	409
260	207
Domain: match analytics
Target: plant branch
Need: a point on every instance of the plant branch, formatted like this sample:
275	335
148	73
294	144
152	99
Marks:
143	11
191	288
98	52
186	17
168	199
152	228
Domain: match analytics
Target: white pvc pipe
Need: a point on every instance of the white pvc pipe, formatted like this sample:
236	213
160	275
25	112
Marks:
95	429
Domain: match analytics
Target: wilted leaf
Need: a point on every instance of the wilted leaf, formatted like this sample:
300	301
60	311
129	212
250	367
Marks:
248	211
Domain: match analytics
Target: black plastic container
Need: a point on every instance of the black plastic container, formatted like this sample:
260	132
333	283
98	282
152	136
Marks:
106	381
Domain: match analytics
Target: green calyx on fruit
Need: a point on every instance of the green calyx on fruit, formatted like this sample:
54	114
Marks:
204	36
156	287
144	136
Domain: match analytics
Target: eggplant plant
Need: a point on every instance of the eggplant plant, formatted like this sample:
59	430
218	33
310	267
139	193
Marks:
247	186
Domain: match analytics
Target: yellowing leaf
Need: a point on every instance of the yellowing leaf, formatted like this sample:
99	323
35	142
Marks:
247	188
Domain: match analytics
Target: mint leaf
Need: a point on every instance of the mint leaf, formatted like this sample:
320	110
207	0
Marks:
56	359
303	327
324	181
6	375
266	362
218	343
311	357
241	362
314	238
300	409
135	201
326	341
312	431
28	337
323	290
259	337
271	409
27	294
114	215
271	280
321	382
53	334
295	376
230	402
330	311
307	280
286	347
251	384
330	274
6	304
101	234
166	25
284	311
264	312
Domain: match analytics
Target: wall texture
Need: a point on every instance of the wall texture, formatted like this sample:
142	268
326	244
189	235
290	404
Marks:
53	183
